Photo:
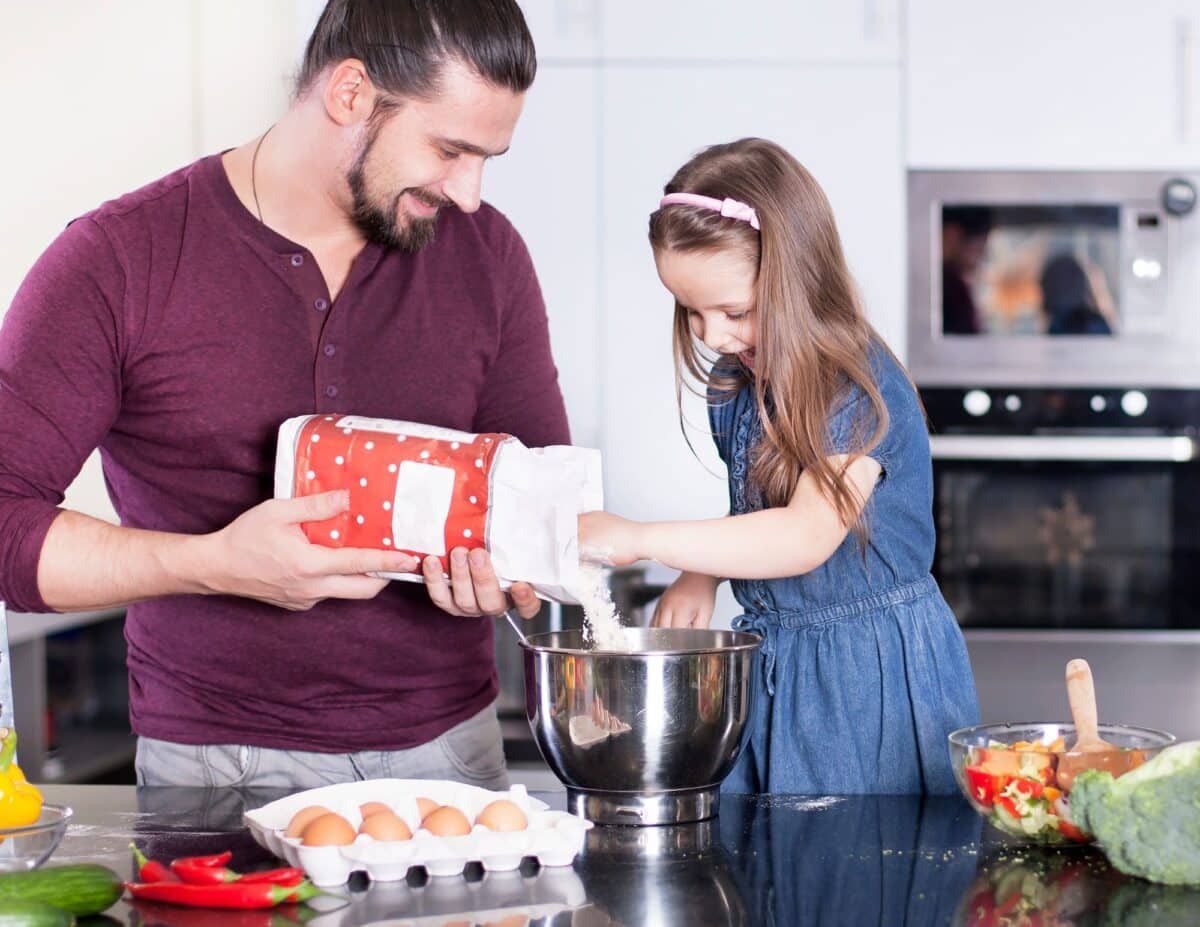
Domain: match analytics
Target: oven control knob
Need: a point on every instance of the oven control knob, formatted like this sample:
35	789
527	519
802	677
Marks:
977	402
1012	402
1098	403
1134	402
1178	196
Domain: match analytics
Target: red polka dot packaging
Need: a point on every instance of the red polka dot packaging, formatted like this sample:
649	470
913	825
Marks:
427	490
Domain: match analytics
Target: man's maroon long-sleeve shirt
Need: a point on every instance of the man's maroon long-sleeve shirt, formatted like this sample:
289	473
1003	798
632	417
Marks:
175	332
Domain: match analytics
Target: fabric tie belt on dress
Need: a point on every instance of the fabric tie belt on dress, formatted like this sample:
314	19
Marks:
767	623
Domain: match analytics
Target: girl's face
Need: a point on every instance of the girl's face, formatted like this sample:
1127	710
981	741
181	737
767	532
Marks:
716	289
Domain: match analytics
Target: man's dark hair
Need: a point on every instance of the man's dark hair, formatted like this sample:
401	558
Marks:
405	43
975	221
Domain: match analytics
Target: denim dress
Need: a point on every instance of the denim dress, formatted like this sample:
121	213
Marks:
863	670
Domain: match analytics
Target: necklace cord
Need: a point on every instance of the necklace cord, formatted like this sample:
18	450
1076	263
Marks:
253	178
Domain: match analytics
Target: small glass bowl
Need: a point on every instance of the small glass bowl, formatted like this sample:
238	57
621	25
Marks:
1042	810
24	848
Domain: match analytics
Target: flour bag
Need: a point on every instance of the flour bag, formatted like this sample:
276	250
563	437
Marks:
426	490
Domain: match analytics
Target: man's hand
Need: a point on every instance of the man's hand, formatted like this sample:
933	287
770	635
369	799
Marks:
263	554
473	589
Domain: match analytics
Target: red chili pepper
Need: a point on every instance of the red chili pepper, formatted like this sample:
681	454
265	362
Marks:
288	876
150	870
161	914
217	859
220	875
196	874
231	895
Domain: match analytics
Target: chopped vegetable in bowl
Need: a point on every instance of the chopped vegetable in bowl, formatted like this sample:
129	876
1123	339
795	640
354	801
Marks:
1008	773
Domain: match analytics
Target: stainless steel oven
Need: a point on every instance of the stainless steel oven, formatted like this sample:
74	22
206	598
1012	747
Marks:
1057	527
1054	278
1068	525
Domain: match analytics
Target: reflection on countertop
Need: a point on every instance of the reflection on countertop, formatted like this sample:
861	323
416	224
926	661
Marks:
779	860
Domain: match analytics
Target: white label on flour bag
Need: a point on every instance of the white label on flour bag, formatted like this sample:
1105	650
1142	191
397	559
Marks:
421	506
427	490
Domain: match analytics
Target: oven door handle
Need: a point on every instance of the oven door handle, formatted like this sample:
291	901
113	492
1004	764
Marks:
1154	449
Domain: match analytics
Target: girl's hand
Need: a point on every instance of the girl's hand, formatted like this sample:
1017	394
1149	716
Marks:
687	603
609	539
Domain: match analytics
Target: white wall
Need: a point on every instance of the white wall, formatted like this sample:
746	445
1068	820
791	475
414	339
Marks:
107	97
102	98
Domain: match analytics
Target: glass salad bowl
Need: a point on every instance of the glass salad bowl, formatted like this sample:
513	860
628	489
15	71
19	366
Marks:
27	847
1009	772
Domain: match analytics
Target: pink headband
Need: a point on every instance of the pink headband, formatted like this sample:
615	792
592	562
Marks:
730	209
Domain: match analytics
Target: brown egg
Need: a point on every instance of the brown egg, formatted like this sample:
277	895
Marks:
425	806
385	825
447	821
515	920
301	818
328	830
502	815
373	807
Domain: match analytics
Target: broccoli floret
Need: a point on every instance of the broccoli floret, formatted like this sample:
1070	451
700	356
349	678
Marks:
1148	820
1136	904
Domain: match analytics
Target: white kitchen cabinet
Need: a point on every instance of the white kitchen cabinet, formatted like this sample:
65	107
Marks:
127	92
547	186
247	58
752	31
564	29
1069	84
97	102
842	123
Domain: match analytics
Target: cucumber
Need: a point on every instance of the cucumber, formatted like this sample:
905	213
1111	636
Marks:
80	889
15	913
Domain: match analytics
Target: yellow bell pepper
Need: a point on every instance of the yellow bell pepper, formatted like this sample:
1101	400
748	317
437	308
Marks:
20	802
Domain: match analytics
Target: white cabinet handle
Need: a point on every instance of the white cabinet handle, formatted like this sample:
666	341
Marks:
879	18
1185	57
872	19
572	14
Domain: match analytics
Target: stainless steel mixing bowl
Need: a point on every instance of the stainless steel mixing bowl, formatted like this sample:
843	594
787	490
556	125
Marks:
643	737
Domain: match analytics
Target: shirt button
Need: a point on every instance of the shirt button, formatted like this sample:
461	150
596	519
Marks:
330	350
321	305
297	260
331	391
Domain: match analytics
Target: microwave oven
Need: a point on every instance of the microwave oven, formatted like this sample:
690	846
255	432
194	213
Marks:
1054	278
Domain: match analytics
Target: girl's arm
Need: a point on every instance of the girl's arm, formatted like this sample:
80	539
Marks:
784	541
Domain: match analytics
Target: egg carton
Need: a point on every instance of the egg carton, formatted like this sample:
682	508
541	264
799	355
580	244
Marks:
547	893
553	838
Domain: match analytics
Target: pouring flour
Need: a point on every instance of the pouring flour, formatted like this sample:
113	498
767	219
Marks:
427	490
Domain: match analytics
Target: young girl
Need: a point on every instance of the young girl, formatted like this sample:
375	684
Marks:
863	671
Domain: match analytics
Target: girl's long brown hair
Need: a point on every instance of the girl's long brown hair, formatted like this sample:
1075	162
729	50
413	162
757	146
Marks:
813	342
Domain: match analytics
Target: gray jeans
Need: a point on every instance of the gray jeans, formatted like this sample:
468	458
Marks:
471	751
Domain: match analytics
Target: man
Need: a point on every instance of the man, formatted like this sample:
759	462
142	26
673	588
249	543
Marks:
965	231
341	262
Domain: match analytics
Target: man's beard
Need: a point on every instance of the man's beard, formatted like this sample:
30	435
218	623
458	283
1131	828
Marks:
383	226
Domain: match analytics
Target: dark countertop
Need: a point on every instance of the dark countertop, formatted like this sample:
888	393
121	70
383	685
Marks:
773	860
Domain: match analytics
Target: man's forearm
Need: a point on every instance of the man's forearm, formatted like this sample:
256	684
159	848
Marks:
88	564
